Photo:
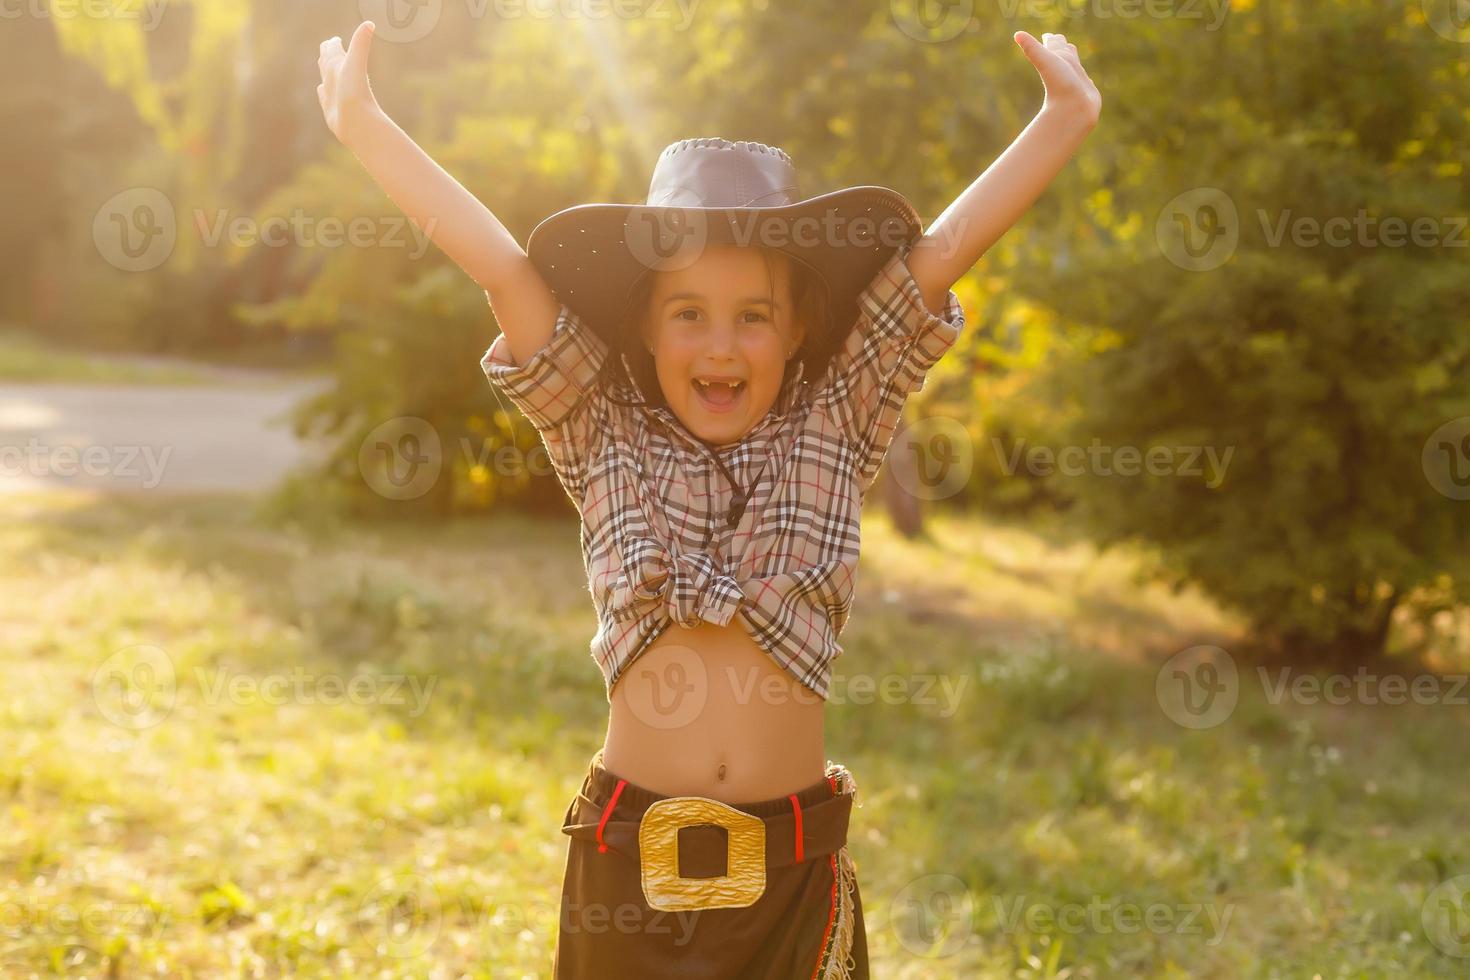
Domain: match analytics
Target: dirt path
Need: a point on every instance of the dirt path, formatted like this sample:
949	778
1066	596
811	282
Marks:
227	436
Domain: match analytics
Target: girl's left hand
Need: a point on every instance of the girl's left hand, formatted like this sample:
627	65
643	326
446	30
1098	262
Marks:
1067	84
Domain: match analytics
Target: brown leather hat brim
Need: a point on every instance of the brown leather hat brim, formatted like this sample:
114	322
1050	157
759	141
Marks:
591	255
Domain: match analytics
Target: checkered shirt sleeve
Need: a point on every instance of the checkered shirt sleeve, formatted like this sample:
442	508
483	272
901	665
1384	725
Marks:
886	356
558	391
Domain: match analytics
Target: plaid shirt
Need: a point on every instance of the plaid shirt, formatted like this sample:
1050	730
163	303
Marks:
653	503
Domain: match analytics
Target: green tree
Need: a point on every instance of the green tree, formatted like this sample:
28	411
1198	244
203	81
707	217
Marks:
1323	365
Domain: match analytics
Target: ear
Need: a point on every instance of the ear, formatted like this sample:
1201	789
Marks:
796	319
798	334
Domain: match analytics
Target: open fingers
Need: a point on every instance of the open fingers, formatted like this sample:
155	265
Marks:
328	55
331	69
1076	60
1066	50
1056	44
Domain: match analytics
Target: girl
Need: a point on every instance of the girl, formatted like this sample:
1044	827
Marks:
716	375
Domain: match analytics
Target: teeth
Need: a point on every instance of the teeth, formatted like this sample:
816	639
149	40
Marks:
735	386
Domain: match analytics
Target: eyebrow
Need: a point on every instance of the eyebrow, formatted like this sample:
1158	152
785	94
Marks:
681	297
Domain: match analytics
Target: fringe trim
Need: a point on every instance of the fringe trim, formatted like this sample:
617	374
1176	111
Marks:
845	782
839	961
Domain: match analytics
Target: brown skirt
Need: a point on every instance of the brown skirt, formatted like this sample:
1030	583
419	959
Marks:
661	887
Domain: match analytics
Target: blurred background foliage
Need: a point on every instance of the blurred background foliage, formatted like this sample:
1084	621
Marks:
1322	368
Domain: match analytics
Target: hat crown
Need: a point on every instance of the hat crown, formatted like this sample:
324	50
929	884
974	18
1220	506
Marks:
710	172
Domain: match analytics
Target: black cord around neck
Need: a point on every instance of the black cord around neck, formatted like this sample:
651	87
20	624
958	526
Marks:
740	497
738	501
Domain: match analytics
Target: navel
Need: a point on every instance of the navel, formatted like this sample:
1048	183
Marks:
721	774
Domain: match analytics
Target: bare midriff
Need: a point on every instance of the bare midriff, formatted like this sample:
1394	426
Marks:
707	712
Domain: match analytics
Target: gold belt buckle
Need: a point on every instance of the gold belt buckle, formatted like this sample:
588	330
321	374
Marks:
744	880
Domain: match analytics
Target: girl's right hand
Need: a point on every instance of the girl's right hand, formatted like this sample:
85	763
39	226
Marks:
346	97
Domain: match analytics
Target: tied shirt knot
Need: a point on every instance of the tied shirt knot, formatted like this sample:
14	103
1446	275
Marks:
690	586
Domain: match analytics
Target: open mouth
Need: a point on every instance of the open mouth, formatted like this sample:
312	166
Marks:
718	395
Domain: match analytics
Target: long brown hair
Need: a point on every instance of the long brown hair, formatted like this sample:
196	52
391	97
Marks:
810	306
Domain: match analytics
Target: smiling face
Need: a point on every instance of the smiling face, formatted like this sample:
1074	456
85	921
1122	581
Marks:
721	331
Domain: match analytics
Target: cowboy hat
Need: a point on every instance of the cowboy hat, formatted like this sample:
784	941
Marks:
709	191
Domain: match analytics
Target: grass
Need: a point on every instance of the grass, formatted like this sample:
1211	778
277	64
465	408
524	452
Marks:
233	814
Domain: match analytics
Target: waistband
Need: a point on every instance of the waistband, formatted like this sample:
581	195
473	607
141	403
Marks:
608	809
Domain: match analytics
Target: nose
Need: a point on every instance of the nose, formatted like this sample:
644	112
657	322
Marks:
722	339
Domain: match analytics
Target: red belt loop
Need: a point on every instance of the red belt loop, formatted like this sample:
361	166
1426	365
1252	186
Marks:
607	812
797	808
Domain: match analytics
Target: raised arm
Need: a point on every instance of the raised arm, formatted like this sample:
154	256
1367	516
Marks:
1010	185
451	216
908	316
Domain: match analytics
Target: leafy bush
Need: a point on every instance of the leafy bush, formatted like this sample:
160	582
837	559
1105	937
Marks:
411	366
1315	368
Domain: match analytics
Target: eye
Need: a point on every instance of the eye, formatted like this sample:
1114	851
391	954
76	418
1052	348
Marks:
681	313
757	313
